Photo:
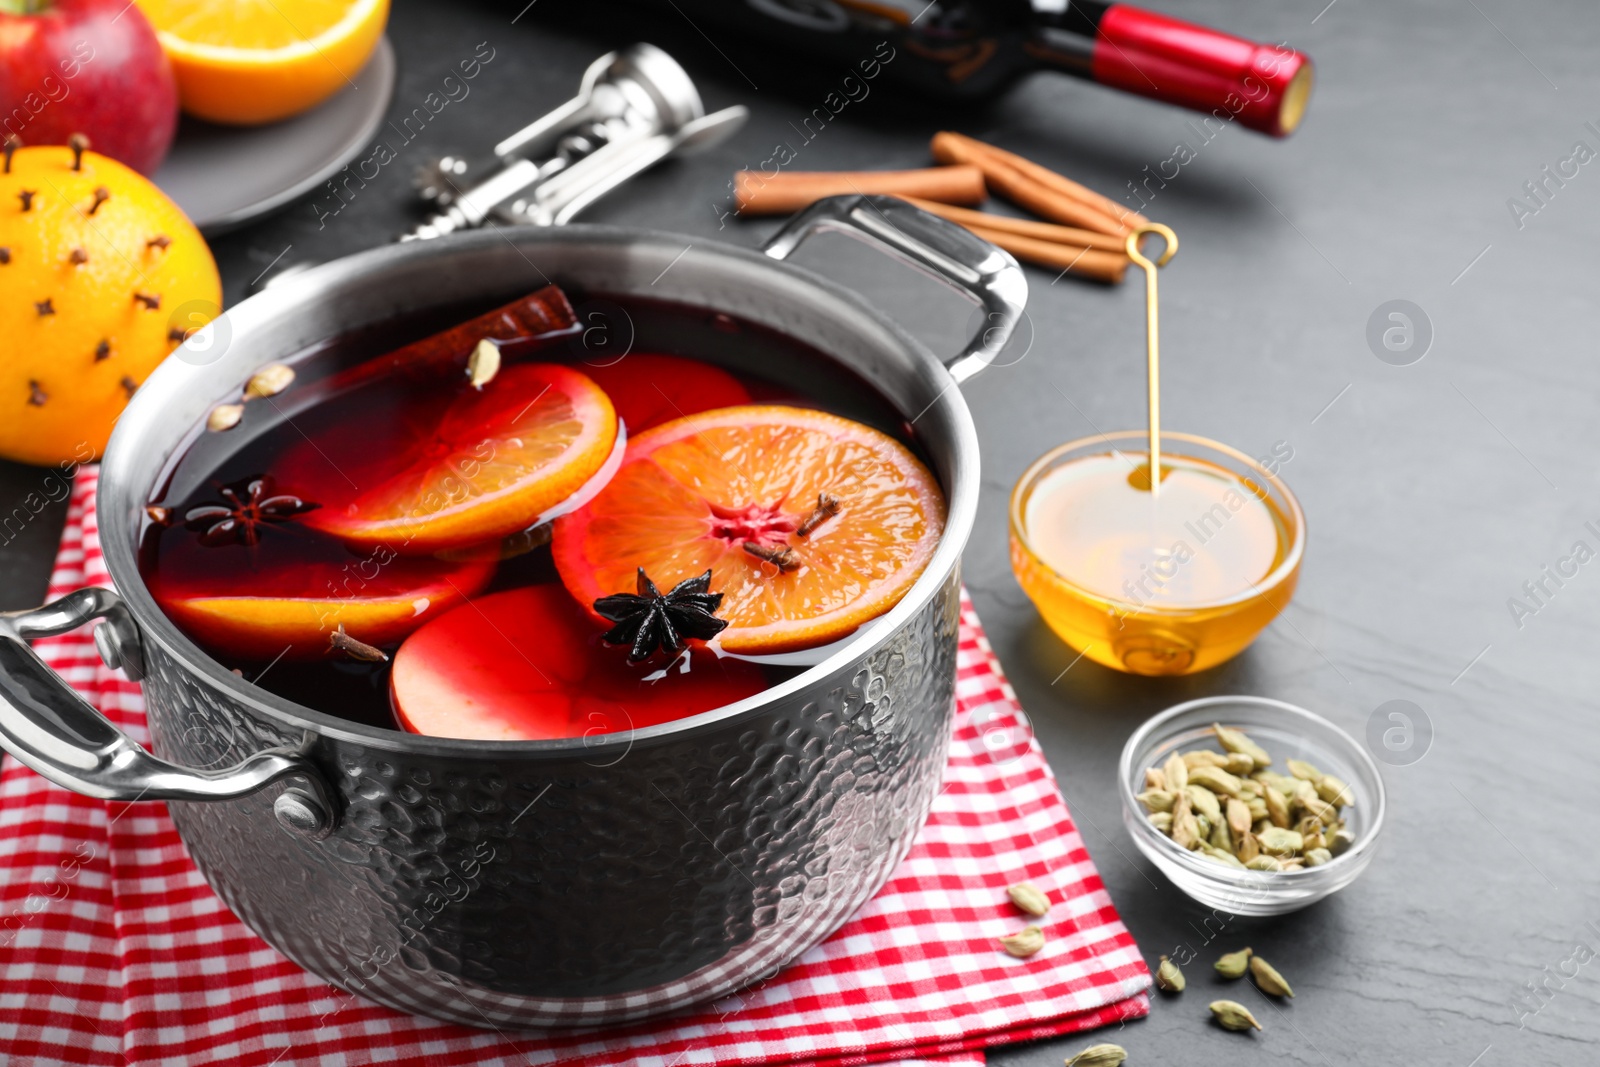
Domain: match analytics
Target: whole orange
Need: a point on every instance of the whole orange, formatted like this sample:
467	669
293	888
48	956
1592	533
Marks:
100	277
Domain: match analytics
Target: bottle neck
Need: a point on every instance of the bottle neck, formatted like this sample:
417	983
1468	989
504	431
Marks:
1263	87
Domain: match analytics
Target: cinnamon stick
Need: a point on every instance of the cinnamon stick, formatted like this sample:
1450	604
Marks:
1025	192
1043	231
759	194
1096	263
1052	179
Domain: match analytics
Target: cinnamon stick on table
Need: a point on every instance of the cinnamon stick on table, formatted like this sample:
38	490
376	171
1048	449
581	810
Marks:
1047	177
1022	190
1042	231
759	194
1093	263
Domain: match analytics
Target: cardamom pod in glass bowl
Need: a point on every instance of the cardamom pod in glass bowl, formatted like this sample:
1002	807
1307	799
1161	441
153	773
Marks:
1311	841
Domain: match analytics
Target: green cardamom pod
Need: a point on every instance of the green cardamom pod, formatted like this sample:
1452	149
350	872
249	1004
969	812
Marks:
1335	792
1325	813
1024	942
1239	763
1156	800
1303	770
1177	772
1268	980
1168	976
1202	827
1258	806
1277	808
1203	801
1316	857
1186	830
1215	779
1341	841
1221	838
1030	898
1106	1055
1161	820
1238	741
1221	855
1156	778
1247	847
1264	862
1232	1015
1276	841
1234	964
1202	757
1238	816
1249	787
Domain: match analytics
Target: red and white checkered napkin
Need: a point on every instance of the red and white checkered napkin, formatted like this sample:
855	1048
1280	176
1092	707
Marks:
113	950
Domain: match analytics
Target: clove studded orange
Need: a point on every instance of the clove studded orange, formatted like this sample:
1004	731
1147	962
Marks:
101	276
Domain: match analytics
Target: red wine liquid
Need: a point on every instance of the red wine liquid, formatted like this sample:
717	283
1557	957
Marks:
354	408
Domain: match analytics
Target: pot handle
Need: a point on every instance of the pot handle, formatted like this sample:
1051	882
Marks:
52	730
949	253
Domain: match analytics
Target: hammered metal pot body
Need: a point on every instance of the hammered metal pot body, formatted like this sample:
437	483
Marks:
525	884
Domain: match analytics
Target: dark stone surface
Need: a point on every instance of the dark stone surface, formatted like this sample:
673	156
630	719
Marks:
1434	491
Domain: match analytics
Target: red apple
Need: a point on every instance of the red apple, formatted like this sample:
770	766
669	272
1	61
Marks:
86	66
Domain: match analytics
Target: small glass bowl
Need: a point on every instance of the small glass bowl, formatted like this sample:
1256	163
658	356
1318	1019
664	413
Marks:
1286	732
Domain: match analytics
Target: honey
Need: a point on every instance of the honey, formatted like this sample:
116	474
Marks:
1154	583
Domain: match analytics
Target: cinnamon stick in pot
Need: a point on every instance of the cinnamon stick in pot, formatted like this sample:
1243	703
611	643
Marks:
759	194
1022	190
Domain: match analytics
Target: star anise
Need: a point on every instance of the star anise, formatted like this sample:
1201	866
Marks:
246	507
652	619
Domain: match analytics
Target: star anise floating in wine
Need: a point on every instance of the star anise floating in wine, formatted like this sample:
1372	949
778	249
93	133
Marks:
654	620
247	506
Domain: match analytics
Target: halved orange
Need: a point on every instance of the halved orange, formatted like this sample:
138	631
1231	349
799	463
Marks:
246	62
499	459
693	493
311	600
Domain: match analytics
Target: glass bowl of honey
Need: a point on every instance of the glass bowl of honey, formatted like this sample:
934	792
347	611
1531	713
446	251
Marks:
1286	732
1169	581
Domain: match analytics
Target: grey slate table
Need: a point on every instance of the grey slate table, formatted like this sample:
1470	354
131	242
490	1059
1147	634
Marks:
1434	490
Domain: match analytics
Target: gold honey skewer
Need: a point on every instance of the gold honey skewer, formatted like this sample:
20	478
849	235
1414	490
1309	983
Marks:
1153	330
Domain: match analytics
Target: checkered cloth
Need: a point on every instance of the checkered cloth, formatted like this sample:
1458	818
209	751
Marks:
115	951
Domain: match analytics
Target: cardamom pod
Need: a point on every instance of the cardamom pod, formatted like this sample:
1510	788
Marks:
1258	807
1156	800
1185	830
1246	847
270	380
1335	792
1325	813
1316	857
1249	787
1264	862
1177	772
1303	770
1221	855
1277	808
1215	779
1239	741
483	364
1168	976
1239	763
1106	1055
1024	942
1204	757
1155	778
1234	964
1268	980
1220	837
1030	898
1231	1015
1161	820
1203	801
1276	841
1341	841
1294	863
1313	840
1202	826
1238	816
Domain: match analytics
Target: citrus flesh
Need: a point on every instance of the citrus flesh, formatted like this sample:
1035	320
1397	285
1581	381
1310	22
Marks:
693	493
495	462
246	62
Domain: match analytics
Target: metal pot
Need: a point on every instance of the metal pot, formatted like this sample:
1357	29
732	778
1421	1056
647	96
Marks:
537	883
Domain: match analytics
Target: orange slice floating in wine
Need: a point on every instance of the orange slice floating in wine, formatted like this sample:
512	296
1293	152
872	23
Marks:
500	458
529	664
377	601
737	490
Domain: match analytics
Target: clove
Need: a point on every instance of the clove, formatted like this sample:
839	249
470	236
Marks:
827	507
101	195
79	145
151	303
12	143
780	556
36	395
340	641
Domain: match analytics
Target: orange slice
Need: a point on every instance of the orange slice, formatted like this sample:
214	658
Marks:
312	600
246	62
499	459
692	493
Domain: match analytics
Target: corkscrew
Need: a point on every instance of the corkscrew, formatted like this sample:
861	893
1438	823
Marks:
634	108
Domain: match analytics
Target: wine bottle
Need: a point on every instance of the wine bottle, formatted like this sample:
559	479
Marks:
972	49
